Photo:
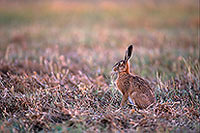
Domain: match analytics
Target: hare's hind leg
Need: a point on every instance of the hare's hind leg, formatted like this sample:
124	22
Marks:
141	100
138	99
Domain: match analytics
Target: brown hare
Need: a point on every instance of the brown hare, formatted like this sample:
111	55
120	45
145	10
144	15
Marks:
132	87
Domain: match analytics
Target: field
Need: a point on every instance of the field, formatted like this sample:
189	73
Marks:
56	59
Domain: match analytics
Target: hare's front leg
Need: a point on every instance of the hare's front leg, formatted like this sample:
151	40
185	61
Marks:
124	99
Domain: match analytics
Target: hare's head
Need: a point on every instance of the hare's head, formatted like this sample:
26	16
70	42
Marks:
123	66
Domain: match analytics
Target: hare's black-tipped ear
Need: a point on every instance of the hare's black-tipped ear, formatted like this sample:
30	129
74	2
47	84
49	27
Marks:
128	53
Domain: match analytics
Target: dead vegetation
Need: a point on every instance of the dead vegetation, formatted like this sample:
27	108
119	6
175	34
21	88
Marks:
35	96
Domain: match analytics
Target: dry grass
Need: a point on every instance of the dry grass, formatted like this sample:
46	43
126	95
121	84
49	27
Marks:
55	66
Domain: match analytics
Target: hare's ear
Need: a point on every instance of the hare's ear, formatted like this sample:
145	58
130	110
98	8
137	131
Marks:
128	53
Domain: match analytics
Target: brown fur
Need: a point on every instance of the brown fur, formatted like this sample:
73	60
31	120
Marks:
133	86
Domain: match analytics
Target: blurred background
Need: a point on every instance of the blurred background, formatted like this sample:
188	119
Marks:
162	32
